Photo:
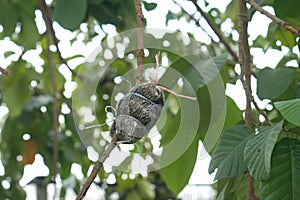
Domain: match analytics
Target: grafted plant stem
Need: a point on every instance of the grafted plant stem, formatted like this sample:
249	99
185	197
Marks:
140	40
96	168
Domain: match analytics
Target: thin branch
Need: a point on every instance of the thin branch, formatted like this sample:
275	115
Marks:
197	22
55	106
261	112
280	22
96	168
245	58
217	31
48	21
140	40
5	71
245	61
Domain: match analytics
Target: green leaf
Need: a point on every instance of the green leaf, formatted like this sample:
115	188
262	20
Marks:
284	178
232	12
261	42
285	37
8	18
15	90
258	151
177	175
145	189
235	188
170	127
288	10
205	70
70	13
228	156
290	110
149	6
271	83
133	194
29	33
233	114
8	53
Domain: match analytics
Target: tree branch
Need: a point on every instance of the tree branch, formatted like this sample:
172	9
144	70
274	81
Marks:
195	20
5	71
245	61
140	40
261	112
55	106
96	168
48	21
217	31
280	22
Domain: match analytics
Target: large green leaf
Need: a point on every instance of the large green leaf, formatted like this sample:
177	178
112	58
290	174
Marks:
290	110
288	10
284	178
8	18
177	174
205	70
258	151
70	13
271	83
229	153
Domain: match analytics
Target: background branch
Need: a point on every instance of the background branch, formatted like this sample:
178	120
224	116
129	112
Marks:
55	106
140	40
245	60
48	21
280	22
5	71
217	31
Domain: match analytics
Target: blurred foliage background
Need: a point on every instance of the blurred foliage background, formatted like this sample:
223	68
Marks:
27	96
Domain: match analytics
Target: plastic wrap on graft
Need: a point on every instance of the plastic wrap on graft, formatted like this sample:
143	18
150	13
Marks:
137	112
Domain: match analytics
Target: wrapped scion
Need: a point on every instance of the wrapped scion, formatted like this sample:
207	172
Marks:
137	112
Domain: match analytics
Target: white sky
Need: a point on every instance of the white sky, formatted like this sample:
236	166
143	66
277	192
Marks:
155	19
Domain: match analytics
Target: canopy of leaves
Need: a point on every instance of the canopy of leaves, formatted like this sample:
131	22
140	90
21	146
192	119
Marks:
203	66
